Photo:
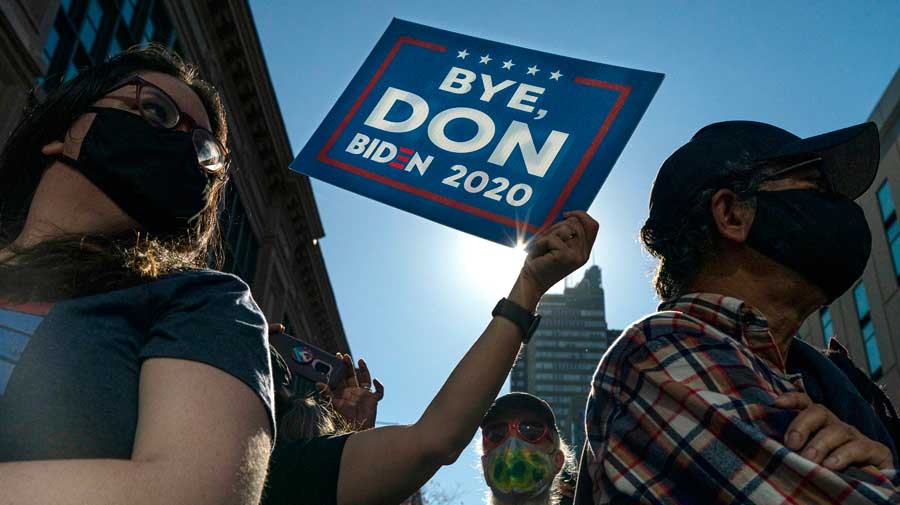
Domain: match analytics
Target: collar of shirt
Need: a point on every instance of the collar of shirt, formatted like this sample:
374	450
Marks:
737	319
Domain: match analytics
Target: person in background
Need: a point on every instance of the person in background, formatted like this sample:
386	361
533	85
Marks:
712	399
522	455
387	464
129	373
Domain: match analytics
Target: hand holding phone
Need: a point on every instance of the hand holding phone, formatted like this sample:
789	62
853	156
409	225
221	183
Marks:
308	361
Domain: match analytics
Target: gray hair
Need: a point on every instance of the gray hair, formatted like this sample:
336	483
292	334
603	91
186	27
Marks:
686	241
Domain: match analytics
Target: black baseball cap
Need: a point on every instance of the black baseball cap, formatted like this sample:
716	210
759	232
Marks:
518	402
849	159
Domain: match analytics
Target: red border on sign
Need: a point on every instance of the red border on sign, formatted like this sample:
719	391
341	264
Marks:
33	308
497	218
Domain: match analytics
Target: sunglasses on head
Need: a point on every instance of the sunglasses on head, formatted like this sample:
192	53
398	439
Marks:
160	110
529	431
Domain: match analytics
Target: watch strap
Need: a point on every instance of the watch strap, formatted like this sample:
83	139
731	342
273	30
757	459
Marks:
518	315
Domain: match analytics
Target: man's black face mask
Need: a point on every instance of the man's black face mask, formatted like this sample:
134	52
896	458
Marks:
822	236
151	173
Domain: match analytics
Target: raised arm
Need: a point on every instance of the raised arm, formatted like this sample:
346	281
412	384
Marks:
202	438
386	465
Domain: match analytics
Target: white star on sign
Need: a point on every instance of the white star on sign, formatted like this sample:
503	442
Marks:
555	75
485	59
508	64
462	54
533	70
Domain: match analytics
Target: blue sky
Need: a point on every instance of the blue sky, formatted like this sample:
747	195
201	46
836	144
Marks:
414	295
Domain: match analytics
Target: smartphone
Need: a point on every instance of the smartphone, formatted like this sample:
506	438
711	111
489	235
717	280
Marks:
308	361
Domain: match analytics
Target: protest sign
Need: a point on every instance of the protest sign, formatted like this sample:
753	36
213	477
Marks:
488	138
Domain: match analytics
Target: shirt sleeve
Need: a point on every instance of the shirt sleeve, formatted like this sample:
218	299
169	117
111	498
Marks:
305	471
211	317
690	419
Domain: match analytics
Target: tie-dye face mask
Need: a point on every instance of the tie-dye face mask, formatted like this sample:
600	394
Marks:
518	469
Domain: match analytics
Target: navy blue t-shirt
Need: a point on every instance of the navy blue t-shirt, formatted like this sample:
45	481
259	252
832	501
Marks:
69	371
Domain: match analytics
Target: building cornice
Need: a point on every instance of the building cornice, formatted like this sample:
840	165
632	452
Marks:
234	54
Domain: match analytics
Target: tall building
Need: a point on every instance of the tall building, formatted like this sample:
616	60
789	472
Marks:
271	222
866	318
559	362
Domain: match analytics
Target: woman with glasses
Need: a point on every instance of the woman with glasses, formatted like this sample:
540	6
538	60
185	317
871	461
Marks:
129	373
522	455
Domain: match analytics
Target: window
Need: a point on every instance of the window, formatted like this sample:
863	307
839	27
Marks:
87	31
127	11
581	345
90	27
71	71
148	31
867	329
568	355
562	377
114	48
120	42
825	319
51	45
891	224
562	388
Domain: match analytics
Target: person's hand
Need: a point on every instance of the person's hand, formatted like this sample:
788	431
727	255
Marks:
353	398
834	444
553	254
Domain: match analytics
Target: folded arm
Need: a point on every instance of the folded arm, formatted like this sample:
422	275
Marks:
698	410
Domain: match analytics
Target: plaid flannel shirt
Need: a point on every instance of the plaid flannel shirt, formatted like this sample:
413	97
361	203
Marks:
681	411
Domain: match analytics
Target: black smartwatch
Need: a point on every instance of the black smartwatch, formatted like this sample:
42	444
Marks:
523	318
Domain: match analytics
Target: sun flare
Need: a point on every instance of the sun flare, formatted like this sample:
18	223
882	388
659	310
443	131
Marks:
492	266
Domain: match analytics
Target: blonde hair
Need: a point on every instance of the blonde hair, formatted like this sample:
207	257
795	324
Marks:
308	417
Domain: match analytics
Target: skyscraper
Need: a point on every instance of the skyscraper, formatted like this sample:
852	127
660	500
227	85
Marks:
560	360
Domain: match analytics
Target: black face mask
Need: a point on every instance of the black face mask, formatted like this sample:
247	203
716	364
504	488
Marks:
151	173
822	236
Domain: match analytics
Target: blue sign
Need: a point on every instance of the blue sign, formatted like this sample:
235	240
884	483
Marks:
488	138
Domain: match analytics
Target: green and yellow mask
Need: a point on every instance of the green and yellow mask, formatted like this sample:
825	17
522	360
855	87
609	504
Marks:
518	469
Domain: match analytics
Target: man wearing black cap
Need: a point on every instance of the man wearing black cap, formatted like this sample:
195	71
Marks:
522	453
712	399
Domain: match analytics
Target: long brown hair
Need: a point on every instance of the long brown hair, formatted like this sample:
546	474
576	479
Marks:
73	266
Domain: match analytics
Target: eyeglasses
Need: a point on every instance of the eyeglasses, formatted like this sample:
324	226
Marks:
529	431
779	172
161	111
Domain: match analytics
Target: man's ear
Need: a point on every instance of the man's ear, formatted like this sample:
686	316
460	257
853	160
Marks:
55	147
560	459
732	217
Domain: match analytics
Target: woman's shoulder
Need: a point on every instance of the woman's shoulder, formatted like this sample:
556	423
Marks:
199	281
203	277
195	289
